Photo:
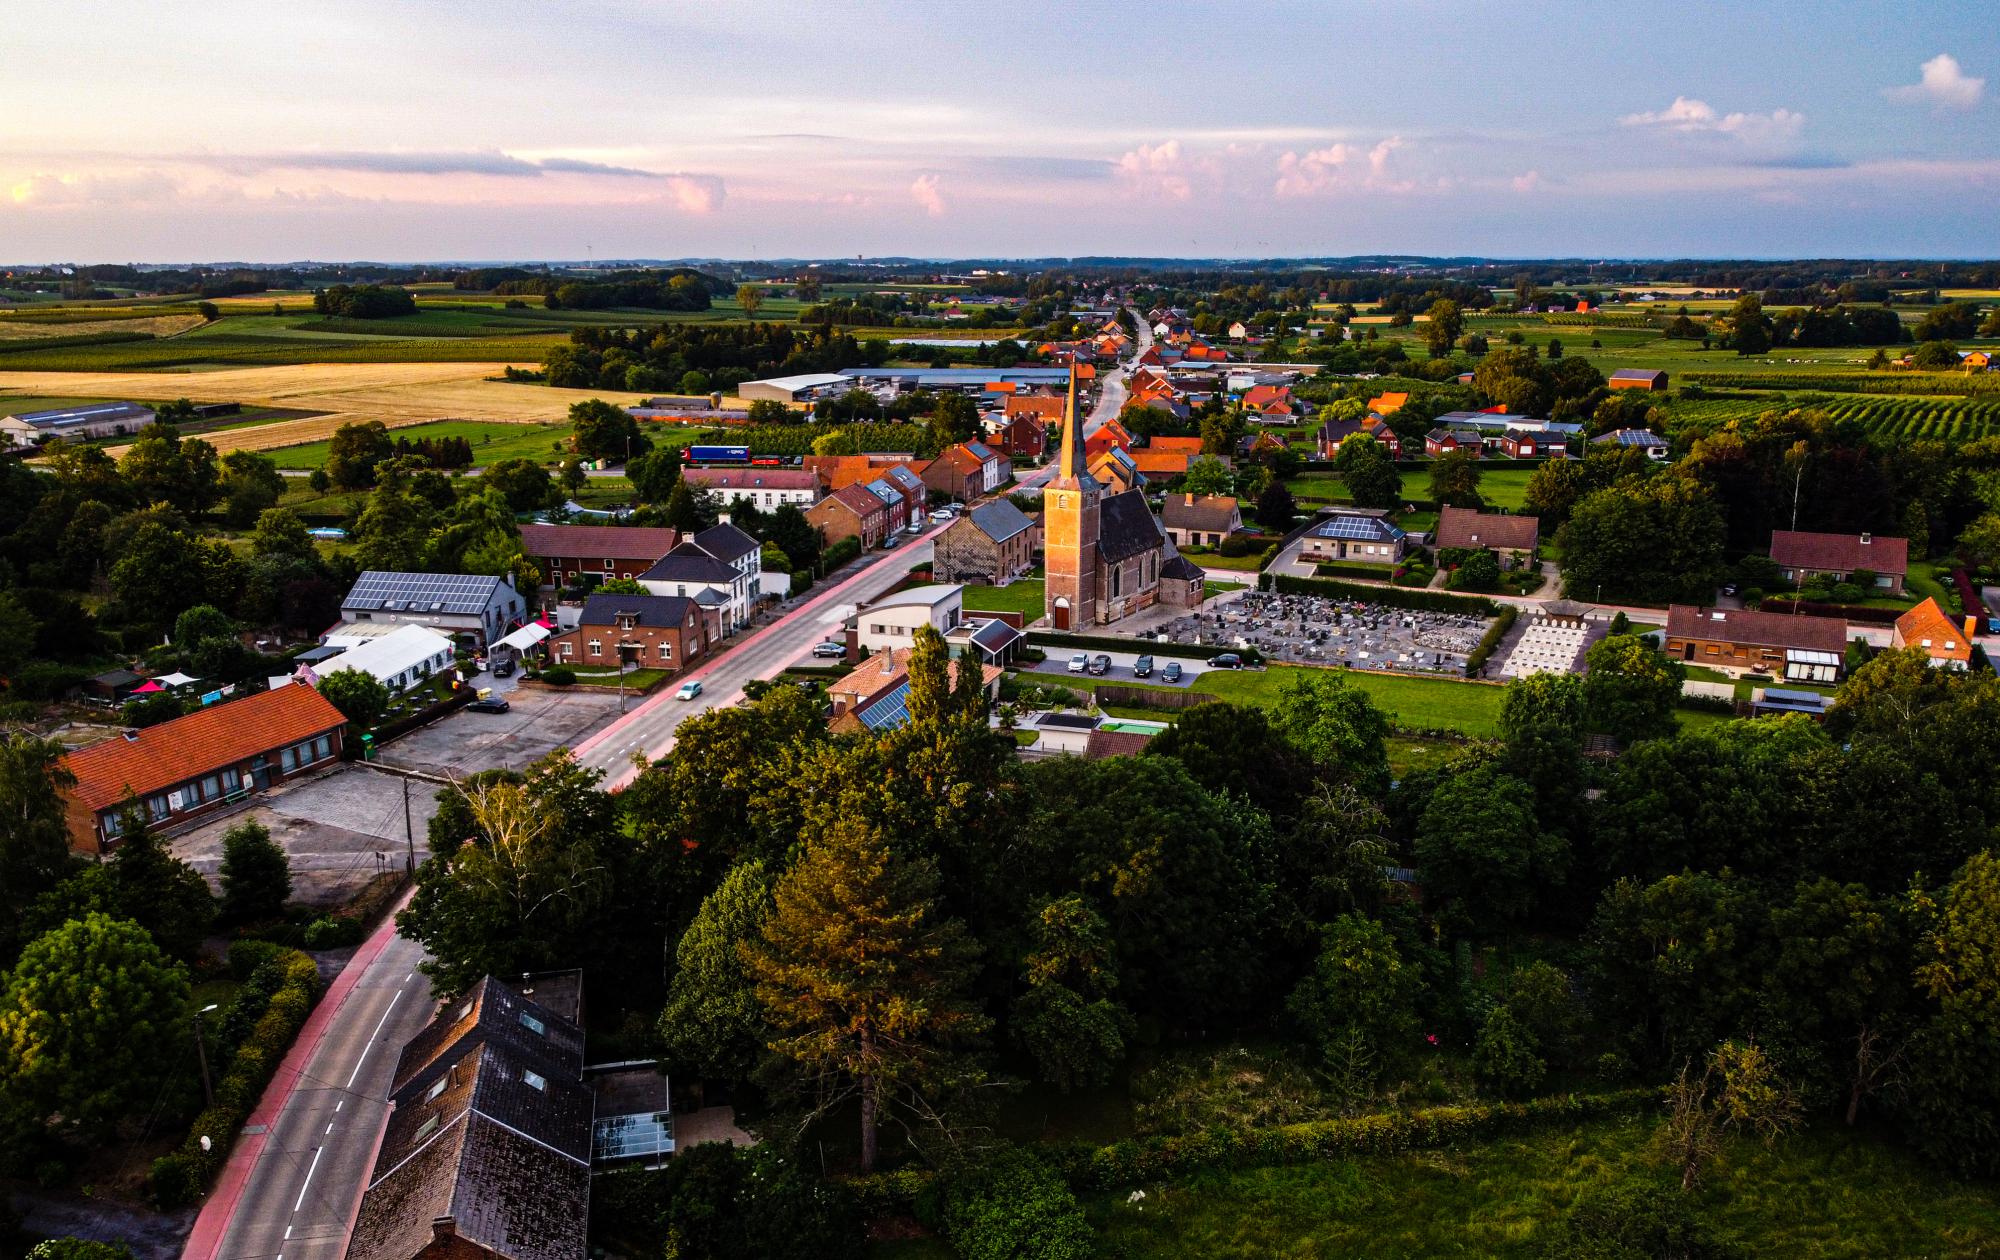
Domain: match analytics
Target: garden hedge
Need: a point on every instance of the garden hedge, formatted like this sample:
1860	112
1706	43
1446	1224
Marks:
1490	640
182	1177
1391	596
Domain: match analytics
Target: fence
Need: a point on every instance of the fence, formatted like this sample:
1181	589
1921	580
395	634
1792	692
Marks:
1148	697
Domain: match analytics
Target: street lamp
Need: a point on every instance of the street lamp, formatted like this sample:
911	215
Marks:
201	1052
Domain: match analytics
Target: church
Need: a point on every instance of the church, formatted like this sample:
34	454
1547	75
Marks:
1105	555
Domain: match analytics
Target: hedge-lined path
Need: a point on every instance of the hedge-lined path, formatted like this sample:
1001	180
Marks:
294	1180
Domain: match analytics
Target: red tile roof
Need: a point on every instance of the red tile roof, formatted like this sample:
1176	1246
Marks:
189	747
752	478
857	496
1927	627
1840	553
598	542
1760	629
1463	527
1102	744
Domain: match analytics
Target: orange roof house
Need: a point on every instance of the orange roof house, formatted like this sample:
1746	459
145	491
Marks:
1385	403
1269	400
1162	465
1146	385
841	471
1190	445
1947	643
1041	406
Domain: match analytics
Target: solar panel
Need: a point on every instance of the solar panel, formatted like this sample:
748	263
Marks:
441	592
890	711
1361	528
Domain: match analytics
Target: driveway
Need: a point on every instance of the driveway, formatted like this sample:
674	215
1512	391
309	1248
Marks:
539	722
340	829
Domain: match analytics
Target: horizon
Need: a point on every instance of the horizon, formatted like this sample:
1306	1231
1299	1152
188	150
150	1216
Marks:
672	131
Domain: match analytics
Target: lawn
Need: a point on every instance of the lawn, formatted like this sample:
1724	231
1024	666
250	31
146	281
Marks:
491	442
1443	703
1817	1194
1500	487
635	679
1022	595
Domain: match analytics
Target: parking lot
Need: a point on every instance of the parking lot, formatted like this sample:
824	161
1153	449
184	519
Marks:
1316	630
339	829
538	722
1121	668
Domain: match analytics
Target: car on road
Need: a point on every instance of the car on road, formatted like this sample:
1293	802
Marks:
890	543
1100	664
1172	673
505	669
493	704
1143	667
689	689
829	651
1079	662
1228	660
941	515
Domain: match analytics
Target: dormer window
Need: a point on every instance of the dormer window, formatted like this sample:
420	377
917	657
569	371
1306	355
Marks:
427	1128
534	1025
534	1080
438	1087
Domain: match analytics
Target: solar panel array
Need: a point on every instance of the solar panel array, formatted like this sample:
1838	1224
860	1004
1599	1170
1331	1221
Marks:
890	711
1359	529
421	592
632	1137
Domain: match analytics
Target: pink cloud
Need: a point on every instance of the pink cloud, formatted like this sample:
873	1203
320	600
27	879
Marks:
1158	169
925	189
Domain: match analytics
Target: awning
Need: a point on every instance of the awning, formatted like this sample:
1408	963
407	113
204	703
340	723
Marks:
176	679
526	637
147	688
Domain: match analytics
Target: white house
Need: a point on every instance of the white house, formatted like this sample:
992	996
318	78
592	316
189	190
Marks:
398	660
893	620
766	488
717	568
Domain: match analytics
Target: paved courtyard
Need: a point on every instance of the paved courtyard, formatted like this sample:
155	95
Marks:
539	722
1317	630
338	828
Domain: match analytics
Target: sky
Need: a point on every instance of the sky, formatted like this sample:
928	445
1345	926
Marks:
422	130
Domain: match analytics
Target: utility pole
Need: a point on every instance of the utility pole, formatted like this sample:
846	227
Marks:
409	833
201	1052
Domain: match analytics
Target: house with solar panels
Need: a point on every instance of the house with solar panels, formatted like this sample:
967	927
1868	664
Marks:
1355	535
473	608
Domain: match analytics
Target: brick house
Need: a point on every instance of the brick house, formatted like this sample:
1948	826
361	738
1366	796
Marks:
1334	432
1200	519
1804	556
569	554
1355	534
666	632
1465	528
967	471
766	488
991	544
1947	643
1742	640
850	512
845	470
1445	441
191	766
1024	436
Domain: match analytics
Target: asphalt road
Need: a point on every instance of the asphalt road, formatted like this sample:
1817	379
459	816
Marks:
302	1193
649	728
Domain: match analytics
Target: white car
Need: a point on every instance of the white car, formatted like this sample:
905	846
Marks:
1079	663
689	689
941	515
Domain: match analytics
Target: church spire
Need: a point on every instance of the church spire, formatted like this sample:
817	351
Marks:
1072	467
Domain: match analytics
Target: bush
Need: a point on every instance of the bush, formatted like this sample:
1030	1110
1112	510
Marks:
1483	652
45	680
332	932
1015	1207
1420	600
839	553
245	957
559	676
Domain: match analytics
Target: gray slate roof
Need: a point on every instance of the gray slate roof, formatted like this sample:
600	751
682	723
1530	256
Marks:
690	563
660	612
725	542
1126	527
999	520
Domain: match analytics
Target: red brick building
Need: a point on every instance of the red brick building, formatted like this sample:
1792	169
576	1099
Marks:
569	554
851	512
646	631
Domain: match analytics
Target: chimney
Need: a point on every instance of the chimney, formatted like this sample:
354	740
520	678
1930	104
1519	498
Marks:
443	1228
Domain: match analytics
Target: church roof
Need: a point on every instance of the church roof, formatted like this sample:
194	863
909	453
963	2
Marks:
1126	527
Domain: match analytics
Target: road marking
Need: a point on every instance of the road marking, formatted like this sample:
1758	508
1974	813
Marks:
371	1039
309	1179
337	1106
288	1233
329	1127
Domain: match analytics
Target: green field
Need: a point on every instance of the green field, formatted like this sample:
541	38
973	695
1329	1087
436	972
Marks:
1501	487
18	404
1818	1195
491	442
1022	595
1444	703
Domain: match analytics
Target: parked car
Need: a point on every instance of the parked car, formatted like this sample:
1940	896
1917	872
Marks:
890	543
1172	673
689	689
1228	660
493	705
1079	663
505	669
1100	664
829	651
1143	667
941	515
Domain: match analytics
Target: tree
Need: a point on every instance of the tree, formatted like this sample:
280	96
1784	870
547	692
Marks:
1358	1003
360	696
1840	980
354	451
34	833
164	467
251	484
863	978
750	297
1677	961
720	1202
18	628
1066	1019
1951	1108
394	528
1504	1055
954	419
684	509
523	483
1335	725
655	474
1749	331
256	874
788	528
1657	539
1739	1090
1455	480
319	481
1629	690
280	532
1369	474
713	1024
1479	571
1012	1207
1542	722
1207	475
207	641
606	432
1276	508
1446	323
1482	854
163	571
1234	750
87	1018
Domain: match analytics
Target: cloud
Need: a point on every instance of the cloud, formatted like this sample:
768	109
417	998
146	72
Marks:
1157	169
1527	181
400	162
137	187
925	189
1944	85
696	194
1340	166
1780	129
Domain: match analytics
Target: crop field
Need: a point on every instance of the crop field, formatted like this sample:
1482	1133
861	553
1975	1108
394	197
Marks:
29	328
1946	419
492	442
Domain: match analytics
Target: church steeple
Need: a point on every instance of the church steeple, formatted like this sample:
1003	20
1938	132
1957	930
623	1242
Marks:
1070	526
1072	469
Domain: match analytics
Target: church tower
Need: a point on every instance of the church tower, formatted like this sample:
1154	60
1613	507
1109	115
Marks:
1070	519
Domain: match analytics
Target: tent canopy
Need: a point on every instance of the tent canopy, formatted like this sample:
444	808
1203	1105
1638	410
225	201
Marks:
524	638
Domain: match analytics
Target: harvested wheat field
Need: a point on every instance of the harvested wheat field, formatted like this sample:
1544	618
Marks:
158	325
397	394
